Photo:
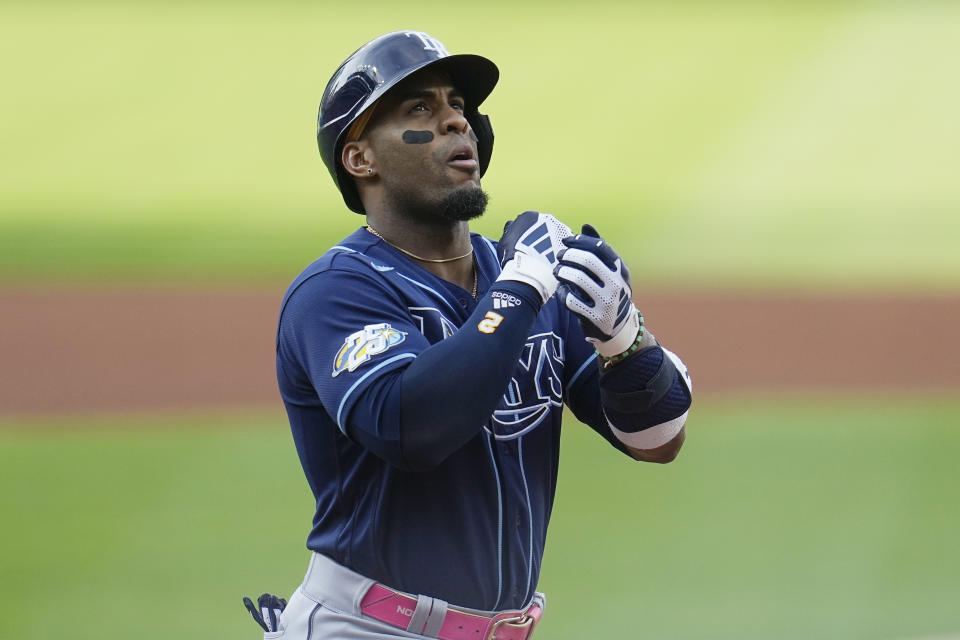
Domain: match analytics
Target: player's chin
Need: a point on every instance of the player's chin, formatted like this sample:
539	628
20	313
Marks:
466	202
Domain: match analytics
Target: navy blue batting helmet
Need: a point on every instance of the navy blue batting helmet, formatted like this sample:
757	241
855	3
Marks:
374	69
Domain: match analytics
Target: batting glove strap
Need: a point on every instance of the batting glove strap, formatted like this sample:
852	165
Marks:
532	271
619	346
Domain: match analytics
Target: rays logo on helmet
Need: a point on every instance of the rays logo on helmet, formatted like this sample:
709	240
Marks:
536	388
362	345
429	42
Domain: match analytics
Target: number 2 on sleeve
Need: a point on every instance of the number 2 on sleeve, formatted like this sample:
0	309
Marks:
490	322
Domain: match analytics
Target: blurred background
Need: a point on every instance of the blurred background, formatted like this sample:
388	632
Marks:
782	179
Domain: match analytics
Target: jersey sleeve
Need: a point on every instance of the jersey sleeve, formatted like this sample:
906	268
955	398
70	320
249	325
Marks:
348	342
340	331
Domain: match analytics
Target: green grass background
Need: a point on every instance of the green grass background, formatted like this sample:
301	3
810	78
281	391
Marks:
782	518
740	144
731	143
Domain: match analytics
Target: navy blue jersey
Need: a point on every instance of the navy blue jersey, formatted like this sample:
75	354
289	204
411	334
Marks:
470	530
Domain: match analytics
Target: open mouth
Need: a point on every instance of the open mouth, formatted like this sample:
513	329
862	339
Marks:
462	158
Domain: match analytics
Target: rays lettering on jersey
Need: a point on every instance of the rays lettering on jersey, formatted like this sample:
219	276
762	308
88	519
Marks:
433	325
536	387
362	345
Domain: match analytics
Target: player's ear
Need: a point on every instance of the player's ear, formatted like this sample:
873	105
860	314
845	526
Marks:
358	159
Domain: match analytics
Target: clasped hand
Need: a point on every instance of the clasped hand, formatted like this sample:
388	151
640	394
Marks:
594	283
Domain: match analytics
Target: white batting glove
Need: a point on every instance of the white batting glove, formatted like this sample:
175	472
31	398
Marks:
529	250
595	285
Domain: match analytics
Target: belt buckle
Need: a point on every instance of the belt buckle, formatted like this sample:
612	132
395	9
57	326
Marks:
522	621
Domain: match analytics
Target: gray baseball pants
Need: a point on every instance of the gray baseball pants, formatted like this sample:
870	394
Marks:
327	605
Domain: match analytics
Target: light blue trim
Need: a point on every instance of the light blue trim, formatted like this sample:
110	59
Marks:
526	491
431	290
581	370
343	401
542	409
496	476
496	258
340	246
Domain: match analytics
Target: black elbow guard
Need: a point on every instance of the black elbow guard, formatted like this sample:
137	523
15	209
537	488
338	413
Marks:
644	390
637	383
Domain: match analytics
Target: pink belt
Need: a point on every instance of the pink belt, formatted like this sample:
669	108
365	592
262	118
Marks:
397	609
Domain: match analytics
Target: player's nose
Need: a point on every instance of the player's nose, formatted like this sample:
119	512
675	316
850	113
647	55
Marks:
454	121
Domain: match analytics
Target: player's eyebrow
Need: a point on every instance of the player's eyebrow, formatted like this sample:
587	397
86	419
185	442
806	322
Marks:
426	94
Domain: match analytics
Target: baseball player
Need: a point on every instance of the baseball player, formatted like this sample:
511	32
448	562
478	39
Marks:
424	368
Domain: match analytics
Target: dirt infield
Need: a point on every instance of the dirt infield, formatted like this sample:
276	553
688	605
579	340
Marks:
71	350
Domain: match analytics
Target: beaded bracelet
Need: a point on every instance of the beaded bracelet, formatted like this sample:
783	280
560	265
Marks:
632	349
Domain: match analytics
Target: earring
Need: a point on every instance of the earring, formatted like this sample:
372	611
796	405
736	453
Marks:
369	170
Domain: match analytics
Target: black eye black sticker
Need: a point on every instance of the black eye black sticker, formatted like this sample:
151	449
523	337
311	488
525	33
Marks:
417	137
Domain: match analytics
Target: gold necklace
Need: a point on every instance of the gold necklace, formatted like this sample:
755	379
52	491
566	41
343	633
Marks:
415	256
475	278
474	292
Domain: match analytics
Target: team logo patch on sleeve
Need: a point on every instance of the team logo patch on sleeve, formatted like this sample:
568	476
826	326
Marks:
359	347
